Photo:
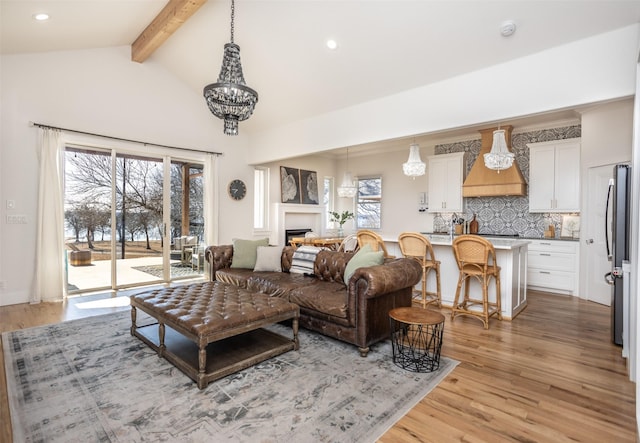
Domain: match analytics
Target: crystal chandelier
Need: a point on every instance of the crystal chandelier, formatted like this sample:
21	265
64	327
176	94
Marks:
414	167
230	98
499	158
348	187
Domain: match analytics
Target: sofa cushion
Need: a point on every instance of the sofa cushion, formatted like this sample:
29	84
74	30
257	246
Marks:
268	258
236	277
363	258
278	284
245	252
322	296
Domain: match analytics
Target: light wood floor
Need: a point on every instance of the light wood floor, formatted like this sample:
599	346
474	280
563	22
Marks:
551	375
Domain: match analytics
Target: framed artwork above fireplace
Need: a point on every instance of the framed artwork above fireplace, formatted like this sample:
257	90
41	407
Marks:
299	186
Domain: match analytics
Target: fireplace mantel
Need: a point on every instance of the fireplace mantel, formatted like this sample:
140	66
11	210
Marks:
292	216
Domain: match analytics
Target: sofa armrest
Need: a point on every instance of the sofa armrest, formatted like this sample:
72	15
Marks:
391	276
218	257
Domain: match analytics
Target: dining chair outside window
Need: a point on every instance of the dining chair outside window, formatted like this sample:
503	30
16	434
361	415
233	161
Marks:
349	243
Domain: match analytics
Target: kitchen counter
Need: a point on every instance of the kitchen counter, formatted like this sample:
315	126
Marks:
500	237
497	242
511	255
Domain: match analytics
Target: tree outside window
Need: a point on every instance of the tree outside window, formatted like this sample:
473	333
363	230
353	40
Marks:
369	203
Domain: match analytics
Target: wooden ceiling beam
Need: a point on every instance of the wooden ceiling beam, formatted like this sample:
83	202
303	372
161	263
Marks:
172	16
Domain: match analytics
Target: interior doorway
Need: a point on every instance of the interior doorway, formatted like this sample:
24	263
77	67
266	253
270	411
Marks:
596	288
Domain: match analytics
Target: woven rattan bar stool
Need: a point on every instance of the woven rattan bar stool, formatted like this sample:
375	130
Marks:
366	236
476	257
418	247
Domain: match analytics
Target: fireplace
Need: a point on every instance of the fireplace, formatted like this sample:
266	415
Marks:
296	217
290	233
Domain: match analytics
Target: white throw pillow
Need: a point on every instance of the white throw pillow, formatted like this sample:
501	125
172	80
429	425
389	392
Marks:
268	259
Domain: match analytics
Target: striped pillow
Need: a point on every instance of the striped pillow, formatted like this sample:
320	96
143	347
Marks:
303	260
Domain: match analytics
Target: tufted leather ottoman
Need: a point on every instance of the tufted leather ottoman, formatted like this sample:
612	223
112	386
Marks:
215	319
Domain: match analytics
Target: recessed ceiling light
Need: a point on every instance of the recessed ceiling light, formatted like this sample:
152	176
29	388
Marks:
507	28
41	16
332	44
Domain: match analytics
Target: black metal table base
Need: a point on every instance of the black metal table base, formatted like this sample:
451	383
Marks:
416	347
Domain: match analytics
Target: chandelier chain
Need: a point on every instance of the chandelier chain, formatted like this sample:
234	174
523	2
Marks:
233	13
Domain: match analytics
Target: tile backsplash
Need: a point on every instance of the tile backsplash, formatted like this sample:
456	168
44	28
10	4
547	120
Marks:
508	214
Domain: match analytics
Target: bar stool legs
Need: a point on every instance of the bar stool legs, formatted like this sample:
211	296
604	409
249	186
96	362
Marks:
431	297
468	303
416	246
476	257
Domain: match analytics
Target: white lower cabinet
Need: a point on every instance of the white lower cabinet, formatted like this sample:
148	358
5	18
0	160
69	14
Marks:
553	266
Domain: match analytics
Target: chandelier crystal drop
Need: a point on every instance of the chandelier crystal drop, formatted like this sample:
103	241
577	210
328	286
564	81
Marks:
230	99
348	187
414	167
499	158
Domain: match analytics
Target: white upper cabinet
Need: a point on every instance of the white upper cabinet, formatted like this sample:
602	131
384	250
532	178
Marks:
446	174
554	176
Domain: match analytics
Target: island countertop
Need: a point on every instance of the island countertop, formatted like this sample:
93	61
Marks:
497	242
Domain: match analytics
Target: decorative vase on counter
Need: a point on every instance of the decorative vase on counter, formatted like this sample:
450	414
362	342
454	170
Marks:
474	225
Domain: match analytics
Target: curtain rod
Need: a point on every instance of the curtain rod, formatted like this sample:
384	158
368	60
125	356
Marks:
40	125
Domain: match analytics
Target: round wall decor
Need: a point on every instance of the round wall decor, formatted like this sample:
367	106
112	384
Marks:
237	189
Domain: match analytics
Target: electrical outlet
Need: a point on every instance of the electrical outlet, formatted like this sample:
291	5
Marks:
11	204
16	219
2	285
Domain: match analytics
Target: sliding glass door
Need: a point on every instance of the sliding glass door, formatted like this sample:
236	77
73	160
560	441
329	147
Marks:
87	212
138	239
187	220
133	219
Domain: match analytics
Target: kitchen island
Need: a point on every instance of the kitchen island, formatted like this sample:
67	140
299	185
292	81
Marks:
511	255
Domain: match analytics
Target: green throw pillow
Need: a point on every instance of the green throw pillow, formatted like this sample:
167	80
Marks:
245	252
363	258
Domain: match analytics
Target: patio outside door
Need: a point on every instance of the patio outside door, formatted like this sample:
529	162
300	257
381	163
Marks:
120	212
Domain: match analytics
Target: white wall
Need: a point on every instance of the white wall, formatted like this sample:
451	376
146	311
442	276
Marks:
99	91
586	71
607	138
399	192
607	134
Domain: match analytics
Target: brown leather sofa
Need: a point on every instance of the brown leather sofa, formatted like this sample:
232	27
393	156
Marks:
356	313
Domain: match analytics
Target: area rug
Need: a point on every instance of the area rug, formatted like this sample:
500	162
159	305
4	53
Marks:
89	380
177	270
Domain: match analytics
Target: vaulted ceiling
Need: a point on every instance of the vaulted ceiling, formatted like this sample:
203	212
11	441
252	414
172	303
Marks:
384	47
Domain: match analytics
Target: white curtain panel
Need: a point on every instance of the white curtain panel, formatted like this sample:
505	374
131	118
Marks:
211	207
49	284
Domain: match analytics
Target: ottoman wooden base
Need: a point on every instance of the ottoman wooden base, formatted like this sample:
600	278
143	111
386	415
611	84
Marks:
210	330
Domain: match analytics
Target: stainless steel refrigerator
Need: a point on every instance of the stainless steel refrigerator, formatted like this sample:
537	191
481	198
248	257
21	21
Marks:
618	231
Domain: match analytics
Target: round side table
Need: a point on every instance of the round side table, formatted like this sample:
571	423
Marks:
416	338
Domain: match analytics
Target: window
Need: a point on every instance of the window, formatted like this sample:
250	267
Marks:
369	203
261	199
327	198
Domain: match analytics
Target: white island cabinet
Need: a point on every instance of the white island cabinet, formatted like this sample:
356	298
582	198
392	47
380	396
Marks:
512	259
